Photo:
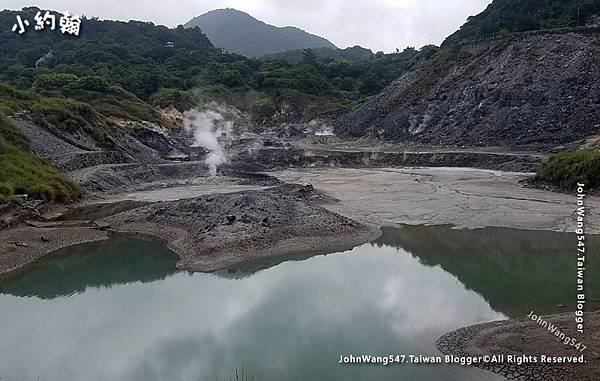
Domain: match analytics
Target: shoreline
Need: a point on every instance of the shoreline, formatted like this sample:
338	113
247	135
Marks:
188	260
371	198
14	257
241	226
525	337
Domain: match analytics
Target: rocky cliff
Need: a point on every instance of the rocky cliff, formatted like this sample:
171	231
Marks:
533	89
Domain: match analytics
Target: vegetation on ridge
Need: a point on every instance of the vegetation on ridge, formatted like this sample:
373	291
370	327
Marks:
526	15
21	172
566	169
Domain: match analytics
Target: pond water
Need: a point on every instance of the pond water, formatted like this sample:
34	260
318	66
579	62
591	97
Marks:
119	310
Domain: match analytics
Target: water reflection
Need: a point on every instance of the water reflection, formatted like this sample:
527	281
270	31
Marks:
73	270
516	271
291	321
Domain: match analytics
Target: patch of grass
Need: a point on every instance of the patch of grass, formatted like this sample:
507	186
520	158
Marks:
12	134
428	77
117	103
214	92
566	169
264	101
21	172
64	113
181	100
67	114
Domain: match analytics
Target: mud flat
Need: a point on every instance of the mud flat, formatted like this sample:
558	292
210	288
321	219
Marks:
463	197
109	189
525	337
214	231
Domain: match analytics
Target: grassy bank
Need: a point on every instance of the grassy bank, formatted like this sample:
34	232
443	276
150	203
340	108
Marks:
21	172
566	169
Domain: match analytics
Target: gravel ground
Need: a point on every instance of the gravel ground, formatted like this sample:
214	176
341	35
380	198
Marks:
214	231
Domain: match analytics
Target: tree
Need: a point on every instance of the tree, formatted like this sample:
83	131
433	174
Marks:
231	78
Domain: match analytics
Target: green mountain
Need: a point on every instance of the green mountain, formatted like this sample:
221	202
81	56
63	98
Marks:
240	33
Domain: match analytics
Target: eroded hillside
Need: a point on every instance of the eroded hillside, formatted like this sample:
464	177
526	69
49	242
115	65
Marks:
536	89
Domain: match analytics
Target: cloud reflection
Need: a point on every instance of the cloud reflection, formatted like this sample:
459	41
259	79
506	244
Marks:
289	322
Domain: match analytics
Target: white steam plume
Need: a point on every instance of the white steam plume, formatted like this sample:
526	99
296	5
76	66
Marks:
208	127
320	127
43	59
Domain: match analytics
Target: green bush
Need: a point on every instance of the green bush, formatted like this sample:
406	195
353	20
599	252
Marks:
566	169
56	82
94	83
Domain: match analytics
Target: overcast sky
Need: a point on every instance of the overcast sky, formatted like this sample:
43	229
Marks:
375	24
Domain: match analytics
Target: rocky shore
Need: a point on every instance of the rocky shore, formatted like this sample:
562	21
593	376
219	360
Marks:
209	232
524	338
215	231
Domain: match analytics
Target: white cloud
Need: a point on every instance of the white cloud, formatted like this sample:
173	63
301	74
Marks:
379	25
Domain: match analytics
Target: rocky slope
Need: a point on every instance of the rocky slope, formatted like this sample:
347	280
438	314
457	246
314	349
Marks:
536	89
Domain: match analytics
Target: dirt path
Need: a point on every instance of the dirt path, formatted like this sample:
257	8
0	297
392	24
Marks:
466	198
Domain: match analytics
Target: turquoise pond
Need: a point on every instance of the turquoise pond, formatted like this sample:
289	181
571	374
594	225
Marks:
120	310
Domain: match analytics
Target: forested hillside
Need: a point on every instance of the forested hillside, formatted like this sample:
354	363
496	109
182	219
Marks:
134	56
353	54
125	70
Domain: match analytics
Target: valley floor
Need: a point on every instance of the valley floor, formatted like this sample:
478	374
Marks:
462	197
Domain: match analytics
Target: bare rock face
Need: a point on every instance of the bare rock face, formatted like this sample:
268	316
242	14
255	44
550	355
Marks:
538	89
213	231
